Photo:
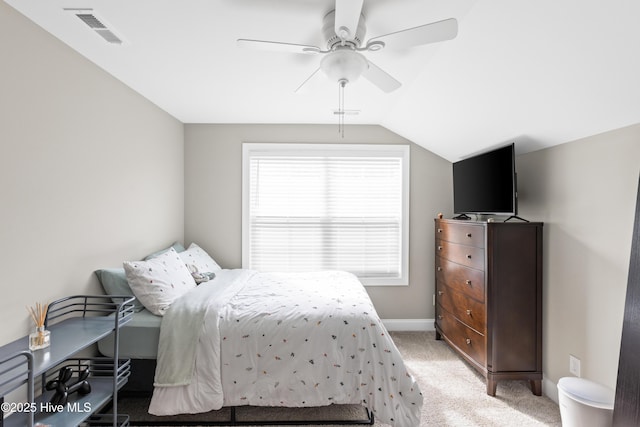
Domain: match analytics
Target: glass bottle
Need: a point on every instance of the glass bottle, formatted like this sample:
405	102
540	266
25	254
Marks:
41	338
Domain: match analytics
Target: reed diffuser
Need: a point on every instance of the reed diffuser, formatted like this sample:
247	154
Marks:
41	338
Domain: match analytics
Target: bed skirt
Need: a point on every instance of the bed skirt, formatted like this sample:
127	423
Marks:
140	386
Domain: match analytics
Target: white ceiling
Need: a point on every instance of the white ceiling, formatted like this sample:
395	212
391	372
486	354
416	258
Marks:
538	73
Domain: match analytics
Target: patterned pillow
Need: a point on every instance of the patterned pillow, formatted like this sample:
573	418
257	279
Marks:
198	261
157	282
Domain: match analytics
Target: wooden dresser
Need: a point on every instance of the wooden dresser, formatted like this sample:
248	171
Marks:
489	297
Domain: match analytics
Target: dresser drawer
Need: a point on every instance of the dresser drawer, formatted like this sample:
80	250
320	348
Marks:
462	278
465	339
465	234
467	310
461	254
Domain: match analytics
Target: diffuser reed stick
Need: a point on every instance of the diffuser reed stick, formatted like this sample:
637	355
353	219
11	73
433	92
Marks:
41	337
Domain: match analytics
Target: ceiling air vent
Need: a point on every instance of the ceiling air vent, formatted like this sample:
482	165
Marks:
98	25
90	20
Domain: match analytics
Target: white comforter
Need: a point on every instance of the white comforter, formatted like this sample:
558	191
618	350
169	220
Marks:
285	340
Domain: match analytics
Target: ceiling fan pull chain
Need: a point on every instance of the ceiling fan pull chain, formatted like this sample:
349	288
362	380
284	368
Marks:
341	84
339	111
341	98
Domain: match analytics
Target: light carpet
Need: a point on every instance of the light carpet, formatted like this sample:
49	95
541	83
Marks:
454	395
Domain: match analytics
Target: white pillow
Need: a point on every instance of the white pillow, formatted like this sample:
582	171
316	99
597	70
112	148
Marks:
198	261
157	282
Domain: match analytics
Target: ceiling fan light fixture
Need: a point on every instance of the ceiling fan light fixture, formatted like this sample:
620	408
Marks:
344	64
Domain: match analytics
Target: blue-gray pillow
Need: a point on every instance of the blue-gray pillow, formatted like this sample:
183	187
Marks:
177	246
114	282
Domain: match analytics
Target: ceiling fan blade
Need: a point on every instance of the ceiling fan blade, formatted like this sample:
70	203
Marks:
423	34
303	87
278	46
381	78
347	17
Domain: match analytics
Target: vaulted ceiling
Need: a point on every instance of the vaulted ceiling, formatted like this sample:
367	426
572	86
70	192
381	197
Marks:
537	73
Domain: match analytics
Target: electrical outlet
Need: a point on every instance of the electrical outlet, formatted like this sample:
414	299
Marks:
574	365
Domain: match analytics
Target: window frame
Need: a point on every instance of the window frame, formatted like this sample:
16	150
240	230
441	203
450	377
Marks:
401	151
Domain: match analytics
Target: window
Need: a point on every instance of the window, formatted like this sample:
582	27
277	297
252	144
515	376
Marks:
313	207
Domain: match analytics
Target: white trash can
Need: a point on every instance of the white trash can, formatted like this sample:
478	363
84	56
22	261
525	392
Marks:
585	403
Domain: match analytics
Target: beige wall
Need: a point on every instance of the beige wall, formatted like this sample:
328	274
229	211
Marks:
585	192
90	172
213	205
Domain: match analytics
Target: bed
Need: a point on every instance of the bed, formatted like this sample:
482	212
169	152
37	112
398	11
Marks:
273	339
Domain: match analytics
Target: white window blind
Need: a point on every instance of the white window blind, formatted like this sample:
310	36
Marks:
310	207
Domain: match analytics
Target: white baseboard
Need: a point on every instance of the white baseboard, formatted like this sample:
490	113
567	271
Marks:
550	389
408	324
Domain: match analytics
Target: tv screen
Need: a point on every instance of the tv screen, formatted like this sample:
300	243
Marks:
486	183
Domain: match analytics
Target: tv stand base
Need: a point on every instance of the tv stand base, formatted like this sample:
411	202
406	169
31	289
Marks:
516	217
462	216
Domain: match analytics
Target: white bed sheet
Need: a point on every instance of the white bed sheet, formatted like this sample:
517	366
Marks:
295	340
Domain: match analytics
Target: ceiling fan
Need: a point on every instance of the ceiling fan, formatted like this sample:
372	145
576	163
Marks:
344	29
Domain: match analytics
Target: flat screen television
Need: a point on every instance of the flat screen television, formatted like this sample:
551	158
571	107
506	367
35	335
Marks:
486	183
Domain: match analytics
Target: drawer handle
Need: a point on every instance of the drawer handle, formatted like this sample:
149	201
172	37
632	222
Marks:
440	293
439	230
468	256
439	248
469	312
468	282
439	268
469	235
468	341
